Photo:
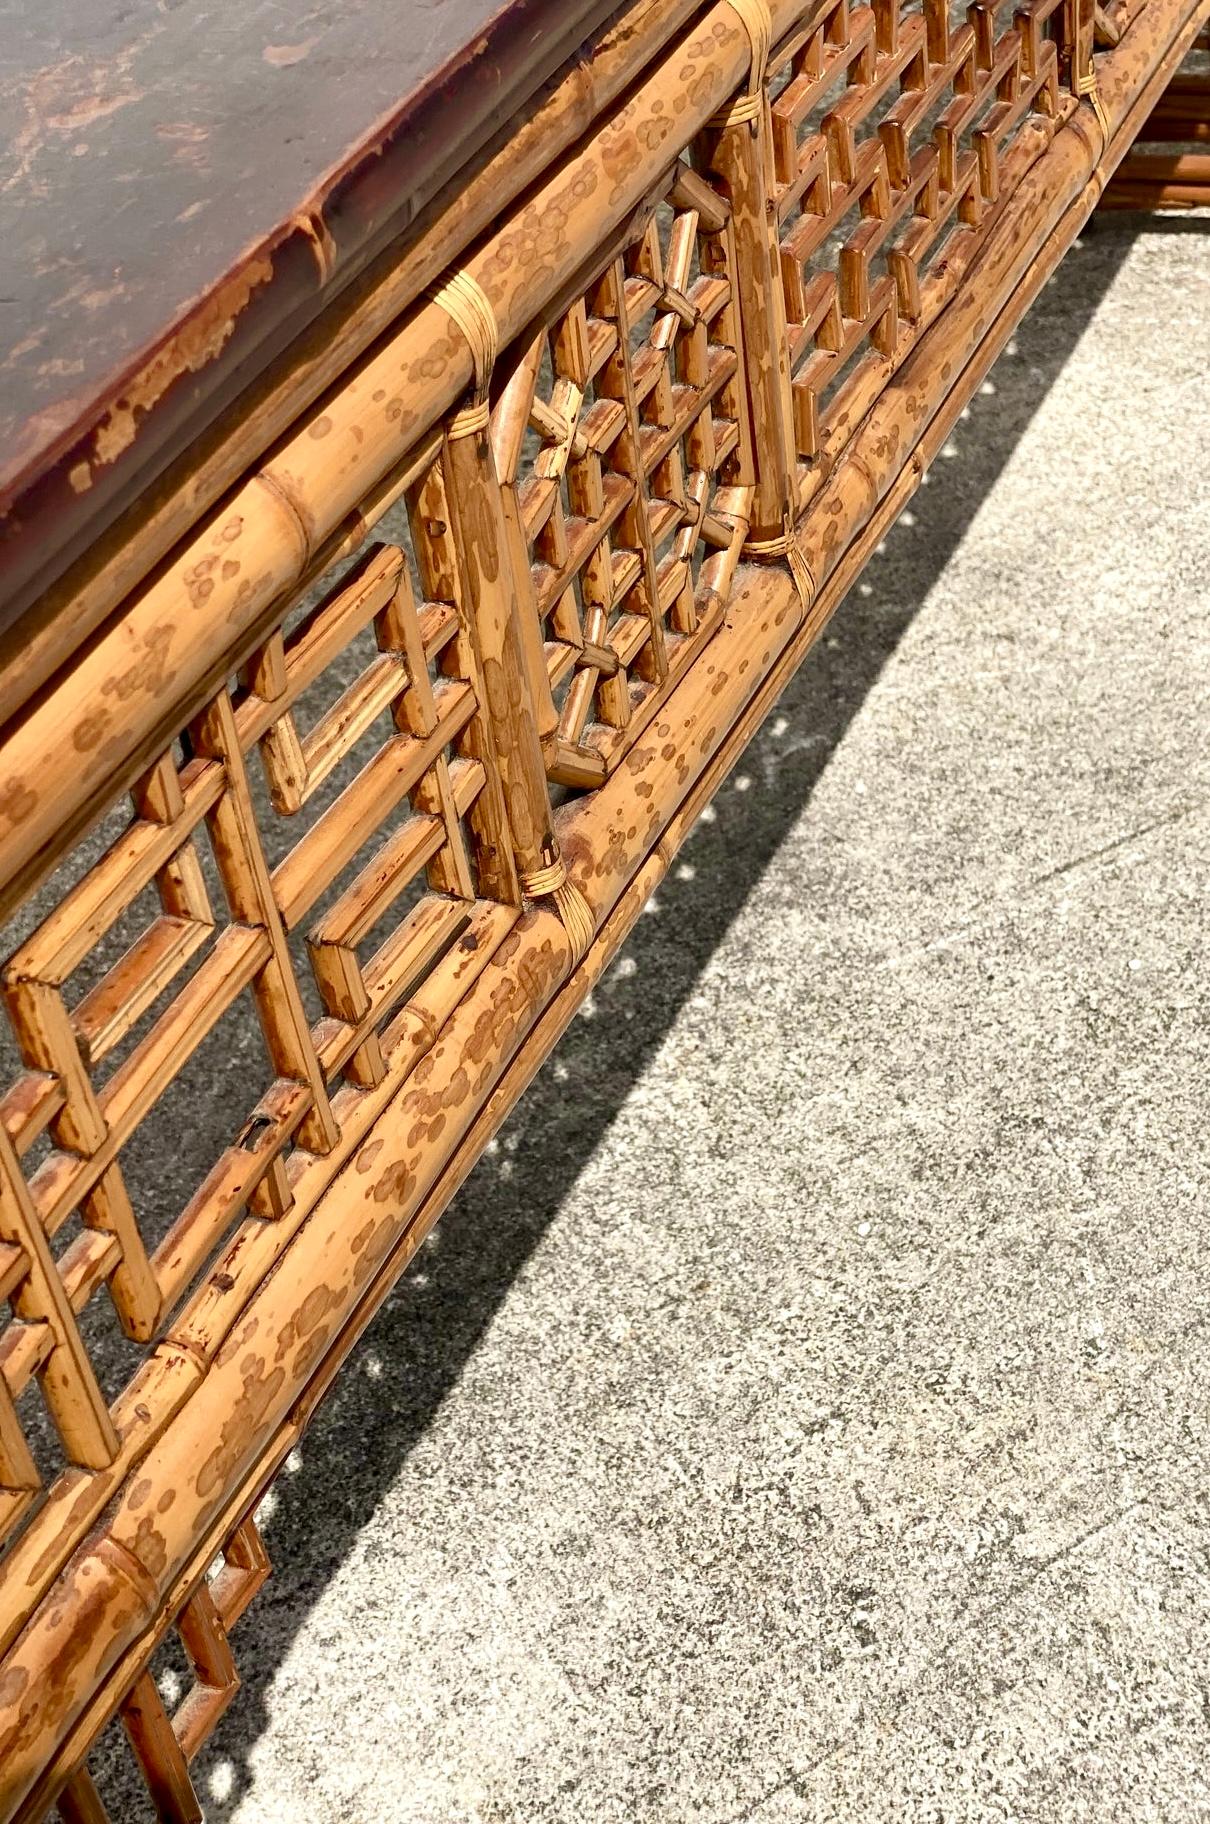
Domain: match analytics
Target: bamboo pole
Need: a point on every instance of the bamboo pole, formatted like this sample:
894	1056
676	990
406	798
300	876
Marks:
1159	180
739	154
1182	113
487	576
1132	78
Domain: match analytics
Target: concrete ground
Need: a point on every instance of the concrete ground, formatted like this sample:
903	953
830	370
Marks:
802	1413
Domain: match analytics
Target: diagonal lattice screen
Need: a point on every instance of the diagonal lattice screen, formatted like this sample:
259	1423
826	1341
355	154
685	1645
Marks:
620	439
888	126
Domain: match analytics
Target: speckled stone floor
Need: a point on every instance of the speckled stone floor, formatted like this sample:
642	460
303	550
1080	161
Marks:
802	1413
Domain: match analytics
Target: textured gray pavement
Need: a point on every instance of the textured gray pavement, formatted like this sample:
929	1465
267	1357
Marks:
802	1413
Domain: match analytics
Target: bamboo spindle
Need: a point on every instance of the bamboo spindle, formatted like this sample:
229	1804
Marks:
154	1741
80	1802
507	431
739	153
489	580
742	158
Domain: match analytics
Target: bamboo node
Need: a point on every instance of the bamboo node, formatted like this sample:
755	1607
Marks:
465	301
552	882
765	550
757	21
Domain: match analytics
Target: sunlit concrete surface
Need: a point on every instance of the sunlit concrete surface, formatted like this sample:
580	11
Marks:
802	1413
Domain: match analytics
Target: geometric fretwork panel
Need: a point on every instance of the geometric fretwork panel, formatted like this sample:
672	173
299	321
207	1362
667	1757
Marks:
888	128
291	871
620	441
398	741
294	913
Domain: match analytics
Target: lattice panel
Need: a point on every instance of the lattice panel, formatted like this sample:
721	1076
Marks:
889	126
622	446
150	1009
340	871
406	729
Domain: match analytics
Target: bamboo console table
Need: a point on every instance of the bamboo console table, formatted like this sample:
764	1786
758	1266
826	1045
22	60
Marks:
429	447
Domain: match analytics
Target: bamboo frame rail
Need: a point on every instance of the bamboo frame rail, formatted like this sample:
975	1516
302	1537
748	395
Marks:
358	755
1168	166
